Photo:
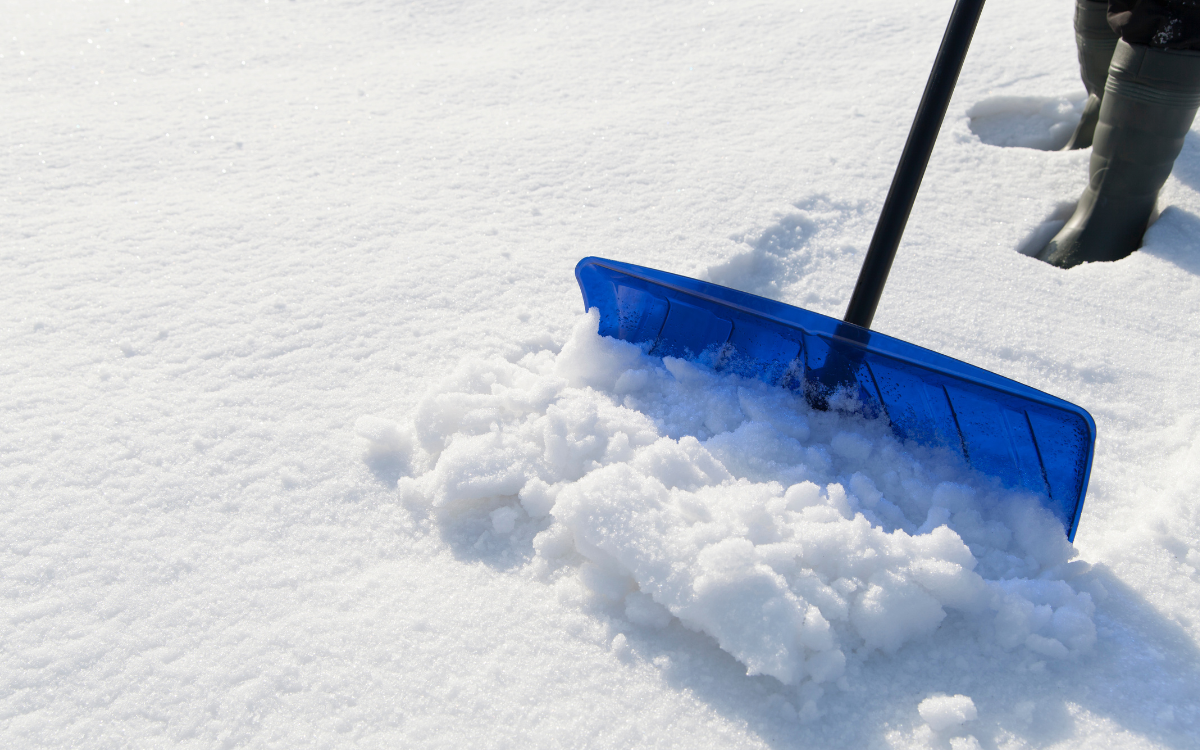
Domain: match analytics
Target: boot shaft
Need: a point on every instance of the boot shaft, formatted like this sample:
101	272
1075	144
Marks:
1150	101
1095	41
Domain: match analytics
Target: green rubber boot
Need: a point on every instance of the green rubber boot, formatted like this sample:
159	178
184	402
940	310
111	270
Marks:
1149	104
1095	40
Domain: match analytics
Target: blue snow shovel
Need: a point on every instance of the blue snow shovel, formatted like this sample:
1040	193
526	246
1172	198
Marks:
1027	439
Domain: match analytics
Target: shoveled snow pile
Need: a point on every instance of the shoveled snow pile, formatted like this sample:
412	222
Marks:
797	539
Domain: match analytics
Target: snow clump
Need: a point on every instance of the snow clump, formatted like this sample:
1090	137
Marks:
797	539
944	712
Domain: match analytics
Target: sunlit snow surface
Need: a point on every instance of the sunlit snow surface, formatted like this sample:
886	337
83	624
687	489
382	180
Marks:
797	539
300	446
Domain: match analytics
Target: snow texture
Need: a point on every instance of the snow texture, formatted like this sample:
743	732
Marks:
796	539
947	711
305	439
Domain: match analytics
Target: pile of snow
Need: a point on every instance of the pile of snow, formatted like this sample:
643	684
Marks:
797	539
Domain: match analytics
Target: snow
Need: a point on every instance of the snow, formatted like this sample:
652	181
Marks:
724	502
306	440
947	711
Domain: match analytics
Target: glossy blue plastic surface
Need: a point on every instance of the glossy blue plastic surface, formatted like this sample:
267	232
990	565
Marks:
1028	439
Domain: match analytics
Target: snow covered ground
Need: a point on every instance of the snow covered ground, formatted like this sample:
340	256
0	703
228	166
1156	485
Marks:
306	440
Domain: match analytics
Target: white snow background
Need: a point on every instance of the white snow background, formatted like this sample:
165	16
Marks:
306	440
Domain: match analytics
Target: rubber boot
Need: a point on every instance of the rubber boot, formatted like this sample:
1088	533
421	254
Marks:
1149	104
1095	41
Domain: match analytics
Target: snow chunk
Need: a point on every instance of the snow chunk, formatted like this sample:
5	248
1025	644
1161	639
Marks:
480	466
597	361
382	432
504	520
620	646
944	712
893	611
537	498
388	441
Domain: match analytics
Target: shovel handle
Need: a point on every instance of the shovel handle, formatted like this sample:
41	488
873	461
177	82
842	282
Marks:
913	161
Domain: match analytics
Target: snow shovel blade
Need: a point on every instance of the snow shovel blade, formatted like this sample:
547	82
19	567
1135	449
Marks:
1027	439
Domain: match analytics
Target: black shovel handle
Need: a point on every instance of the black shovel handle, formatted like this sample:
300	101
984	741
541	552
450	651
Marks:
913	161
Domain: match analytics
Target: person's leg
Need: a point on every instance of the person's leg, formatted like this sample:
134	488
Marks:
1095	41
1150	100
